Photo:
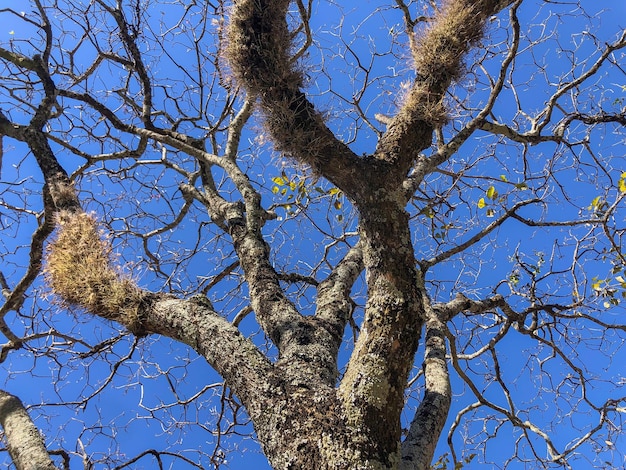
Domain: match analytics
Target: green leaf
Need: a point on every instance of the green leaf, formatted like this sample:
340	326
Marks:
503	178
428	212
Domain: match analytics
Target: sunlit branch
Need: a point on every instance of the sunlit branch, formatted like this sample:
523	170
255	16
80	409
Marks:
455	425
110	377
305	15
112	297
180	215
425	265
236	127
448	310
47	29
608	406
129	42
546	114
418	448
530	137
223	274
410	23
438	54
334	304
16	297
126	153
509	414
445	151
26	446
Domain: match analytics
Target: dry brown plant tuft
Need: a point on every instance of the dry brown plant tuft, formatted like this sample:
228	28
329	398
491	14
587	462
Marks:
80	271
438	54
261	63
441	47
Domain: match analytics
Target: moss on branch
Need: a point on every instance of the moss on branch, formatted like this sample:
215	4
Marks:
80	270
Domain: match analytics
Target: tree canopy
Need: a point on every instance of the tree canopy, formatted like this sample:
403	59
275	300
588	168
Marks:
372	235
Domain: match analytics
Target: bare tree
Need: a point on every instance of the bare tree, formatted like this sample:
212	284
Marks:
379	226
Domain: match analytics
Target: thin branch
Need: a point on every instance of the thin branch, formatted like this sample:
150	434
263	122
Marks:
510	213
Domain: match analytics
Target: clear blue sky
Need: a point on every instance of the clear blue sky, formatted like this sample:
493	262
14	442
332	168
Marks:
146	377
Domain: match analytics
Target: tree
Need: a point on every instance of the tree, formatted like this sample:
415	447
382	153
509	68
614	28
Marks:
350	224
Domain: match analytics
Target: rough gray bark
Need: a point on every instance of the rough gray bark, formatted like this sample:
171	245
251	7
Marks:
301	417
371	391
25	444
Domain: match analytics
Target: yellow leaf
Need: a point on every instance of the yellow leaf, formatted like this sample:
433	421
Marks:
481	203
595	203
492	193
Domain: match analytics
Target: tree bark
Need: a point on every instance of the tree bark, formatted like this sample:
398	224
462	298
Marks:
25	444
301	417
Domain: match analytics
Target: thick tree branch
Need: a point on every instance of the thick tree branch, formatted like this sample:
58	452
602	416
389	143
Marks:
79	270
259	54
334	305
395	312
444	152
438	55
244	368
25	444
430	417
